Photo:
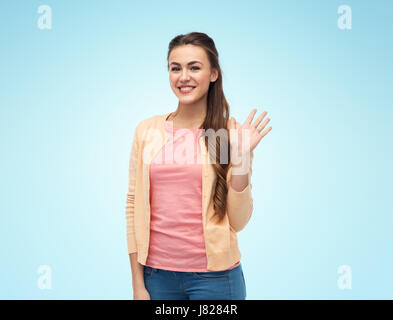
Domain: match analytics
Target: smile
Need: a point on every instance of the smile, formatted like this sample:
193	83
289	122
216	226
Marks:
186	89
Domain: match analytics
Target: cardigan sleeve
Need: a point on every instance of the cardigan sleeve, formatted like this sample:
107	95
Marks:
130	202
240	203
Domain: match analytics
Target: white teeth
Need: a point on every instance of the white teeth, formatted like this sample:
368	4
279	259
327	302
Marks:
186	88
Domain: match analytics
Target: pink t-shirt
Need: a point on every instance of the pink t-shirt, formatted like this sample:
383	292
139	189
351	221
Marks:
176	230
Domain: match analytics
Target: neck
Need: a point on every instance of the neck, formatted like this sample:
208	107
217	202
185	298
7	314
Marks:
190	115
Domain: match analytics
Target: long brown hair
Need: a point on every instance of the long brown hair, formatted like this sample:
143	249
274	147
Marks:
217	115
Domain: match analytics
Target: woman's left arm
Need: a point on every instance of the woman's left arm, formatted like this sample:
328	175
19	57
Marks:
239	197
239	200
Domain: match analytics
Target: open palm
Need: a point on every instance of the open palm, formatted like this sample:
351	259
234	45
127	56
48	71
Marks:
253	131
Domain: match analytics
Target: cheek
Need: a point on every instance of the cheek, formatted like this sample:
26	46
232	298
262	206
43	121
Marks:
203	79
171	80
173	84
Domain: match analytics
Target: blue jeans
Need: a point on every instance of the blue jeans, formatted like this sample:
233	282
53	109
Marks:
179	285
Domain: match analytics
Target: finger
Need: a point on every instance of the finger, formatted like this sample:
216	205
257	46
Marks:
263	125
237	125
259	119
264	133
250	117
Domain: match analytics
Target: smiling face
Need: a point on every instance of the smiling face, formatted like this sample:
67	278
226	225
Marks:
189	73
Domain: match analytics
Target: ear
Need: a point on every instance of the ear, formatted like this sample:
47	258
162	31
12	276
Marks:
214	75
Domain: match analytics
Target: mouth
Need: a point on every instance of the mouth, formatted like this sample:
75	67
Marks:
186	90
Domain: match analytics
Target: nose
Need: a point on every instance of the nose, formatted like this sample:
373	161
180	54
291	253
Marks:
184	75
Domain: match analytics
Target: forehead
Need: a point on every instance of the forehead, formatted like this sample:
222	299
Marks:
186	53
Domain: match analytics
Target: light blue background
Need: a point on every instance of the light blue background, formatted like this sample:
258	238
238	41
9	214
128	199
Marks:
72	96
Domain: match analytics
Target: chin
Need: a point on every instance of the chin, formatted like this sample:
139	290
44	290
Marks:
187	100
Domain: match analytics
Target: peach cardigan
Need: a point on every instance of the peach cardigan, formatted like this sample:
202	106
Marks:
222	249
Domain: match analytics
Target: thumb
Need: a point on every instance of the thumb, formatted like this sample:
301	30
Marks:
233	123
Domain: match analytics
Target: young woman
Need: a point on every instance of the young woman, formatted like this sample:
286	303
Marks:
190	192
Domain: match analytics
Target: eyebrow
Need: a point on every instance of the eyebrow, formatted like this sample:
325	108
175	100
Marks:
191	62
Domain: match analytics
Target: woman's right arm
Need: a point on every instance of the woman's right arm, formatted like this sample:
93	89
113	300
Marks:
138	283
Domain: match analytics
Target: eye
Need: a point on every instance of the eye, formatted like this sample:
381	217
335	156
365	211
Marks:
192	68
